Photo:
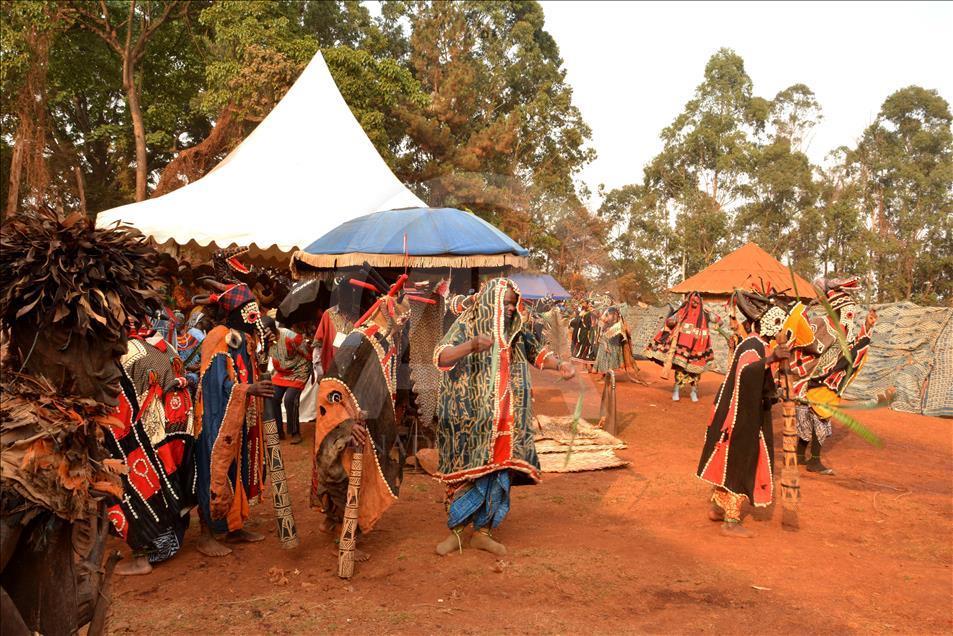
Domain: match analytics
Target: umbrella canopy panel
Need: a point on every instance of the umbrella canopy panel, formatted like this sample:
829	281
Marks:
537	286
415	237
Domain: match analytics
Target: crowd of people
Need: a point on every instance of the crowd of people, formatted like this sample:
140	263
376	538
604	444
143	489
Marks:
200	385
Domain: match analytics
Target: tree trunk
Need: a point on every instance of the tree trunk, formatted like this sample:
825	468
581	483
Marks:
80	188
29	141
195	162
138	127
16	170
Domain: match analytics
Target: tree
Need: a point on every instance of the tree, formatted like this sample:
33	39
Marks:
701	172
780	213
127	30
906	157
643	239
843	239
499	131
28	31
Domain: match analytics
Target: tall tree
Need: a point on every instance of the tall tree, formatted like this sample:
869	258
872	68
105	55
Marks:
700	173
499	130
127	29
640	244
843	240
28	31
907	158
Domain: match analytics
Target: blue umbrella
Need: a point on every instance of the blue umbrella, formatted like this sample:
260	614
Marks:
435	237
536	286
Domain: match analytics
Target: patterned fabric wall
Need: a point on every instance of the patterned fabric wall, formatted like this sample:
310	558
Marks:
912	350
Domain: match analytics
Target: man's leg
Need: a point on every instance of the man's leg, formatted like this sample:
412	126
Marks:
730	504
814	465
452	543
276	405
207	543
483	540
292	404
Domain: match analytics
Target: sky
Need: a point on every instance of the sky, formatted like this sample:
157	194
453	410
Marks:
634	65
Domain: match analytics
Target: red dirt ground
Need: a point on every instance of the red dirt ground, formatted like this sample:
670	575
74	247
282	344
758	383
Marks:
626	550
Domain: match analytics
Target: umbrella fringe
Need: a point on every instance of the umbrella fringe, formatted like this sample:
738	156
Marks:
356	259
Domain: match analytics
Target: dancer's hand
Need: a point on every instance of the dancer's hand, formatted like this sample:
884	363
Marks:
871	319
480	343
780	353
567	370
263	389
358	435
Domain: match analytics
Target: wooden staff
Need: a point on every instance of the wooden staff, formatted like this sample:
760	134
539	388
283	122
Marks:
281	497
607	408
672	344
348	541
790	487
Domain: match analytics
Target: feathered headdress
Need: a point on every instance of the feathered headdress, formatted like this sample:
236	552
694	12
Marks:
68	274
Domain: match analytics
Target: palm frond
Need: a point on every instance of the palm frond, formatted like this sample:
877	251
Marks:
850	423
575	426
556	334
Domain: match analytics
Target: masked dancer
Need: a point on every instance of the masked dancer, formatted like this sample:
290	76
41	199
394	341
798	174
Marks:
823	371
484	429
737	457
684	344
230	444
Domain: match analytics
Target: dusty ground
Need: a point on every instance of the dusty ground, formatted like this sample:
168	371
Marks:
627	550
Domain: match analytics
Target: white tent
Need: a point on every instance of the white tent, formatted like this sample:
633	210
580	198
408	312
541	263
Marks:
306	168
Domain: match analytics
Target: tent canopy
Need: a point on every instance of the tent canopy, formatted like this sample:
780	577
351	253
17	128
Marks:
305	169
748	267
435	237
537	286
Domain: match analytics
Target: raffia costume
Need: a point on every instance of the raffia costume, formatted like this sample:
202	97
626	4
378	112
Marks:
612	339
484	416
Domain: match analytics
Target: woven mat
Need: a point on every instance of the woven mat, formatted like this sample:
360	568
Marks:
591	449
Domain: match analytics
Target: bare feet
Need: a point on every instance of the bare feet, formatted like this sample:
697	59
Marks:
296	438
244	536
716	514
209	546
482	540
134	567
736	530
453	543
361	555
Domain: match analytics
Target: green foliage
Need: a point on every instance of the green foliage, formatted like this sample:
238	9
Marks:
732	169
906	157
468	104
